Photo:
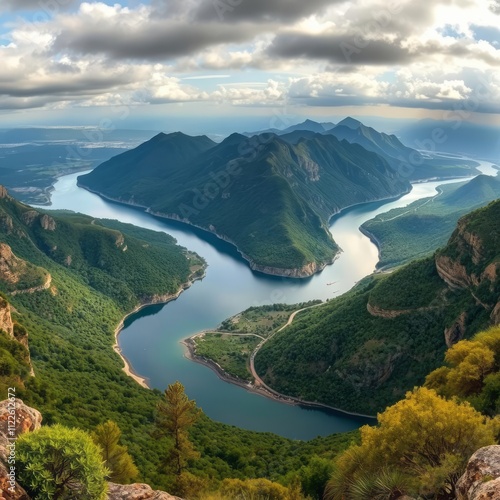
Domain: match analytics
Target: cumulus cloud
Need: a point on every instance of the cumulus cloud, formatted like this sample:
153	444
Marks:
314	53
120	33
342	49
260	10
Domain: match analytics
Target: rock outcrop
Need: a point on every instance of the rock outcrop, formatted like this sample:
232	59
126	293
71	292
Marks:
453	273
9	264
136	492
470	262
48	223
27	420
481	480
29	217
455	332
495	314
6	323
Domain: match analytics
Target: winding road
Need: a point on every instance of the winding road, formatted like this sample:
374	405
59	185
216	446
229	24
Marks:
258	382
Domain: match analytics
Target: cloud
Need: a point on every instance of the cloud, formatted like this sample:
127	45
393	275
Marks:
120	33
260	10
314	53
342	49
47	6
271	94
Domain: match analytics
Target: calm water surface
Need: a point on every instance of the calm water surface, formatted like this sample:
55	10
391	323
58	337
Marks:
150	339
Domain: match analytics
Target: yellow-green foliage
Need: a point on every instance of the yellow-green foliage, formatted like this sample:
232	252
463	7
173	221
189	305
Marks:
254	489
472	371
424	438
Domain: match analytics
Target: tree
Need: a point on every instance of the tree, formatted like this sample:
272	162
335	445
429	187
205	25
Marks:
470	364
175	415
315	475
115	456
57	463
258	489
424	436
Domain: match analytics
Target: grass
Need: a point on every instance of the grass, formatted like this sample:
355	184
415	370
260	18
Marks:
230	352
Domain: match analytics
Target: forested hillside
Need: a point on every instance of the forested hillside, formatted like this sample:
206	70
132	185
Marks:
363	350
100	270
418	230
272	199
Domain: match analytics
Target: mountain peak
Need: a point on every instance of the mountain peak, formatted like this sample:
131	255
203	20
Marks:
350	123
309	125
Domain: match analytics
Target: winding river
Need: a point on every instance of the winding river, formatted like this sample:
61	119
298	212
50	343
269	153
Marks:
150	338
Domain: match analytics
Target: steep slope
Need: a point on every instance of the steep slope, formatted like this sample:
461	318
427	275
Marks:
96	250
407	161
419	229
354	131
270	198
362	351
142	167
15	363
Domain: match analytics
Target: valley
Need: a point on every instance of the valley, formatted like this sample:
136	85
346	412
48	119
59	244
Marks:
151	343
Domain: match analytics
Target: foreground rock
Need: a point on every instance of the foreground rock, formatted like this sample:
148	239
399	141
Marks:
481	480
27	420
136	492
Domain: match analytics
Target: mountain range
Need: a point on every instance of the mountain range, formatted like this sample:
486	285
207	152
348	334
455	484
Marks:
271	196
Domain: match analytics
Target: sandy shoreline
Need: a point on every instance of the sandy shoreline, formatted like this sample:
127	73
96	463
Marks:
261	391
127	368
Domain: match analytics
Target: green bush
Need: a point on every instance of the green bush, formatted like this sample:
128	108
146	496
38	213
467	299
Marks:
58	463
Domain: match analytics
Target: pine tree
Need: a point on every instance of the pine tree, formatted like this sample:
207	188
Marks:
176	414
115	456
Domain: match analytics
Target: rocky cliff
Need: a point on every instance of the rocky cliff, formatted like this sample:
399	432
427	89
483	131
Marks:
14	330
6	323
20	276
471	262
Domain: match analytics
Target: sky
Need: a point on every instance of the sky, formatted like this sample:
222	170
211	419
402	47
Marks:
222	64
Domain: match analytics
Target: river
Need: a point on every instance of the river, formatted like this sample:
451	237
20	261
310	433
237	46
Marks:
151	338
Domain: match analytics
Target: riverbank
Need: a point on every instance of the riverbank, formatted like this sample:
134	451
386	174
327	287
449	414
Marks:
305	271
189	353
162	299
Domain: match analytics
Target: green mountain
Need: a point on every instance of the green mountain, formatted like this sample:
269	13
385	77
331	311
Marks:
354	131
272	199
364	350
409	162
403	234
